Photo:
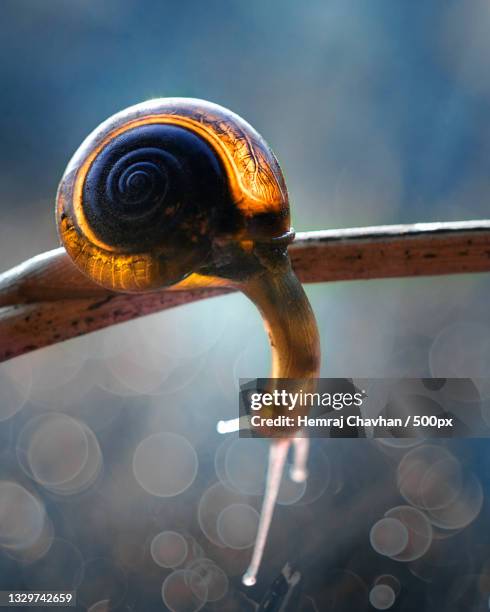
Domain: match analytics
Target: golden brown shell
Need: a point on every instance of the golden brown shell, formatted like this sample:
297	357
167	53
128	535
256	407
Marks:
255	206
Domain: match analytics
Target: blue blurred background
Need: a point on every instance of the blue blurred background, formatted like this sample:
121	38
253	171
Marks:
378	113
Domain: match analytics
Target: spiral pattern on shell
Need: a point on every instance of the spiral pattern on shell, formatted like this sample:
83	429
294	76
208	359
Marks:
153	184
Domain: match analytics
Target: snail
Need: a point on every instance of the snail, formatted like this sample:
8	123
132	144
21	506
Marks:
182	192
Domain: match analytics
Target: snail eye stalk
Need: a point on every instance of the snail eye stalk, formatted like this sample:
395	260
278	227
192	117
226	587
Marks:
182	191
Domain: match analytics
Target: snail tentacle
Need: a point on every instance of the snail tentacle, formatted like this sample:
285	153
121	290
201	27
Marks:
295	346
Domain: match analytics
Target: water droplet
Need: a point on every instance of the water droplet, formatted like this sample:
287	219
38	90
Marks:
184	591
381	597
169	549
165	464
237	525
419	532
389	537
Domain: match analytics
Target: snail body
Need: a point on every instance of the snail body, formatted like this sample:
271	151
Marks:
180	192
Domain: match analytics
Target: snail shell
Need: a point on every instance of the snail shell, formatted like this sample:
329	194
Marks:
156	190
